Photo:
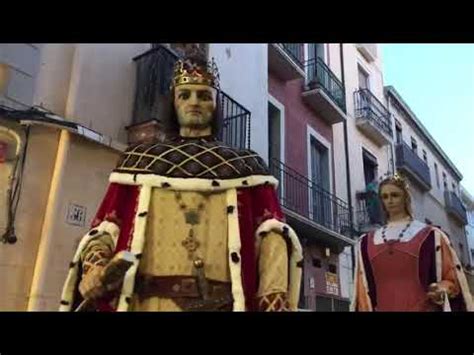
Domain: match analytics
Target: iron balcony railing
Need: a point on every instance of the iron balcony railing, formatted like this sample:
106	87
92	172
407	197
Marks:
308	199
369	107
407	160
455	206
369	211
236	122
319	75
295	51
154	75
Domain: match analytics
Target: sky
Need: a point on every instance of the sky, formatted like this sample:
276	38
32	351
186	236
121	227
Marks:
437	82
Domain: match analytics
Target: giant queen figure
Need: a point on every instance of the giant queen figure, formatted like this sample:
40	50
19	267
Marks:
407	265
201	219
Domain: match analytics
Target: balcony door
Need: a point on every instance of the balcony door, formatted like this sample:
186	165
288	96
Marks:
274	136
370	166
314	50
276	117
363	78
321	201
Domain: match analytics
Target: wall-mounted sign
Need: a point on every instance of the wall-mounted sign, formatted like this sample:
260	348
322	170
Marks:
76	215
332	285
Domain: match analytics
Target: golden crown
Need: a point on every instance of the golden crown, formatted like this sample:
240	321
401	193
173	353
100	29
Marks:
188	71
398	178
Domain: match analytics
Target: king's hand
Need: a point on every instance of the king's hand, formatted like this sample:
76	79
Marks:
101	279
91	287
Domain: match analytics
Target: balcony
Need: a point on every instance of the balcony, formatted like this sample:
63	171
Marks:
369	215
154	74
312	211
415	167
372	117
324	92
285	60
455	207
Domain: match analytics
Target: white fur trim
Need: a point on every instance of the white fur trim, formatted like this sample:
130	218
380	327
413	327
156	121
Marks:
67	293
192	184
136	247
234	245
111	228
295	257
459	272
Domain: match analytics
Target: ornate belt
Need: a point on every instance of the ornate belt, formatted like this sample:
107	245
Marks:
185	292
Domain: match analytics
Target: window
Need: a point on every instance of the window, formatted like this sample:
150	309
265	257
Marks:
332	268
316	50
370	166
425	156
414	145
363	78
323	304
445	181
454	187
274	125
461	250
437	174
321	206
317	262
398	132
329	304
341	306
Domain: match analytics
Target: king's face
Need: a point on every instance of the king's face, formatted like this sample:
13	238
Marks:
195	105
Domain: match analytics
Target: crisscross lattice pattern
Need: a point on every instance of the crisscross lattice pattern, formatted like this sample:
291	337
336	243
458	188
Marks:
196	158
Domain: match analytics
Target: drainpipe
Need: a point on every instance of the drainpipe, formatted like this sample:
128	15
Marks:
346	149
52	212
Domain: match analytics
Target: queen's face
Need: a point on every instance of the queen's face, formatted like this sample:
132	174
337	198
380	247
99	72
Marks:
195	105
393	199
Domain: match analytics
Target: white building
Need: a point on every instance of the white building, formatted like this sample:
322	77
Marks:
434	179
468	201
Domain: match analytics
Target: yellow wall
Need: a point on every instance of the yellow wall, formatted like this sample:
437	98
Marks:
17	260
85	181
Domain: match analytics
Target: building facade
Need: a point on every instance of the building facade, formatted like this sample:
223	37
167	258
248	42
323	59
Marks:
468	201
316	112
67	112
434	179
306	101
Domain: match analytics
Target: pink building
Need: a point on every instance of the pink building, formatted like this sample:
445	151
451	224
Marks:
306	99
